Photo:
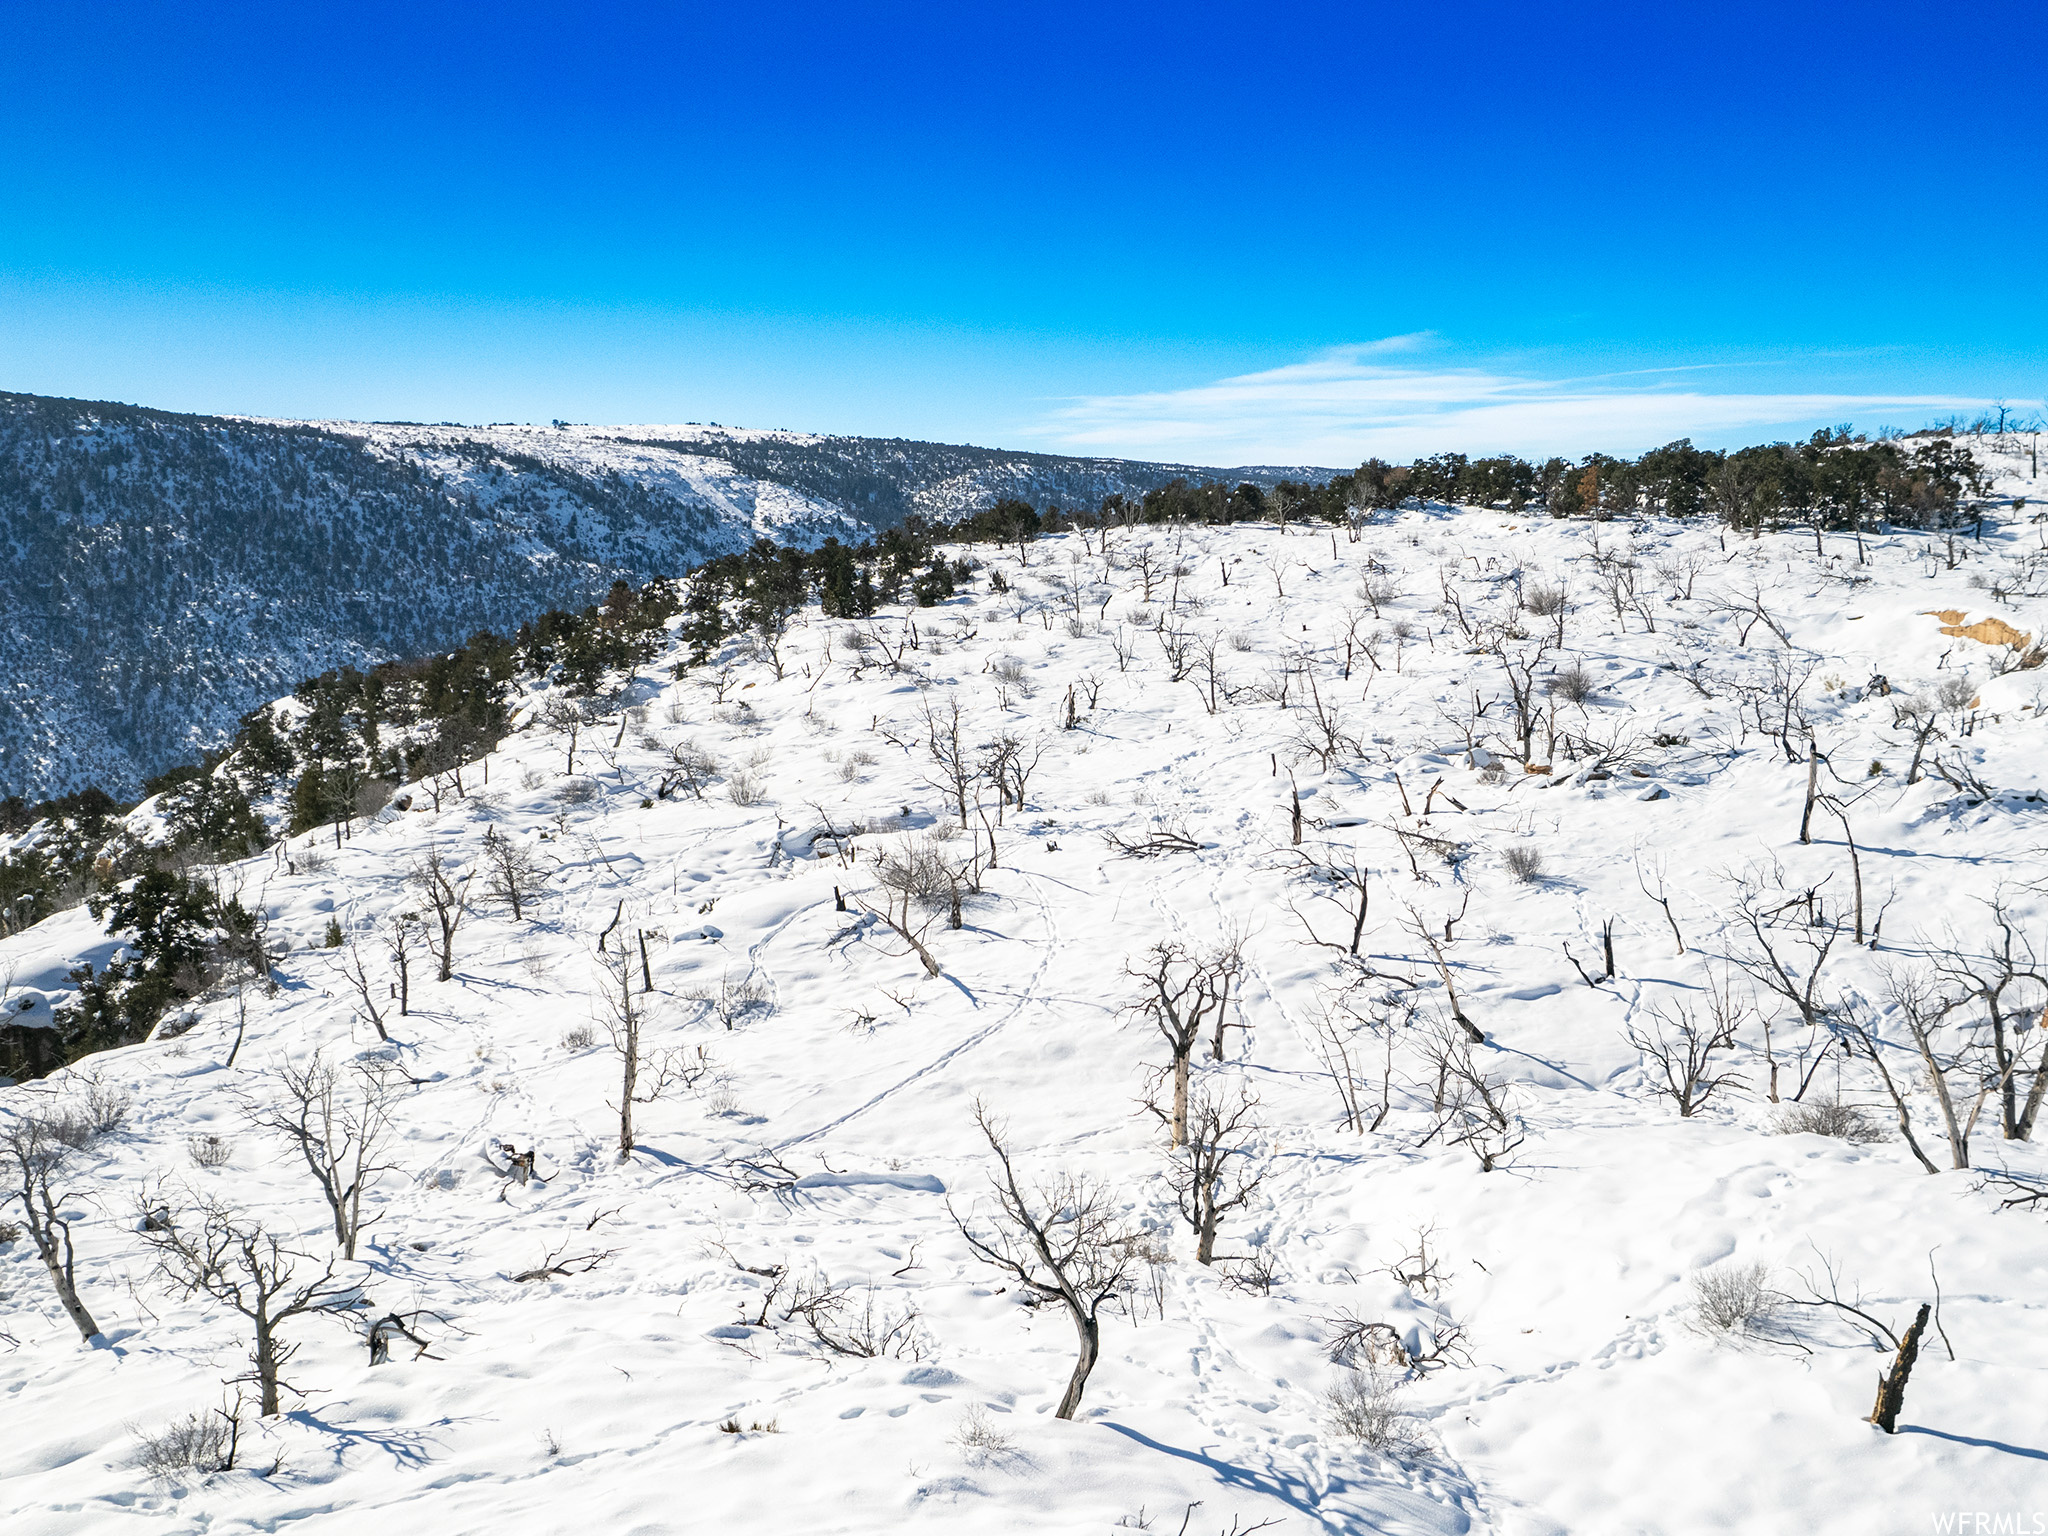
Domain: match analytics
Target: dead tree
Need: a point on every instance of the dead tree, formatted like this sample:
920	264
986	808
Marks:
1320	730
1160	841
1177	646
1342	879
1182	991
1343	1035
690	767
1010	764
1214	1174
567	717
339	1121
1151	569
1925	1015
448	904
1835	808
216	1251
34	1159
513	872
1681	1045
916	873
2007	966
1921	722
401	1325
560	1264
644	1076
1211	686
1061	1241
1473	1108
954	772
1891	1384
352	970
400	935
1658	893
1524	695
1812	790
1420	928
1789	961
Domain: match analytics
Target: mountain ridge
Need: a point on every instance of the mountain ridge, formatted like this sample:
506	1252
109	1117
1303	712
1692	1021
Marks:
171	570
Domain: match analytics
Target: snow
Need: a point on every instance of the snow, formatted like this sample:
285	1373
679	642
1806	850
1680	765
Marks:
594	1400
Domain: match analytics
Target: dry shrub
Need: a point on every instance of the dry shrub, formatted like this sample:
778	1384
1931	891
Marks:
1574	684
1364	1405
735	1000
200	1442
1827	1117
1733	1299
979	1439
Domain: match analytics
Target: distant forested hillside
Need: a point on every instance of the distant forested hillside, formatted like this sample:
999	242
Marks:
167	572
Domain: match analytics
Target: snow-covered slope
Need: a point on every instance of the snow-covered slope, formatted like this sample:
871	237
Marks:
833	1139
164	573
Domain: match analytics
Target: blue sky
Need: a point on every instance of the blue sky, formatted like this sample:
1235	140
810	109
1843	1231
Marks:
1225	234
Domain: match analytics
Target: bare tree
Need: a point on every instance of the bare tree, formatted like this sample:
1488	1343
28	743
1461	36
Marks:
1921	722
2007	981
215	1250
1321	730
1062	1241
1009	764
399	937
1788	959
1178	647
339	1120
955	772
447	901
515	874
1212	688
1950	1058
1421	928
350	967
1182	991
644	1076
914	874
1214	1173
567	717
1521	668
1344	1035
690	767
34	1158
1652	884
1681	1043
1146	561
1473	1108
1341	878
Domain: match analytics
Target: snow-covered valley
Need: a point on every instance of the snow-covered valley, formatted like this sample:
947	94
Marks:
1536	750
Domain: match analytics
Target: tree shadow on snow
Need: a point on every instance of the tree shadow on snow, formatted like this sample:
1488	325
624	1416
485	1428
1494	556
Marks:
1289	1490
1988	1445
406	1447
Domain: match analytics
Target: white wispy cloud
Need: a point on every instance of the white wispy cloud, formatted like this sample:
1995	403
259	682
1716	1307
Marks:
1354	402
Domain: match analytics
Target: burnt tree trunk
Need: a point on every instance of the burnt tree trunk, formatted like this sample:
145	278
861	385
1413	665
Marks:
1891	1386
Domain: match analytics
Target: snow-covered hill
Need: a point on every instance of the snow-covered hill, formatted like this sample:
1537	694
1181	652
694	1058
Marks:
165	573
1528	1215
